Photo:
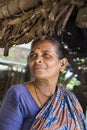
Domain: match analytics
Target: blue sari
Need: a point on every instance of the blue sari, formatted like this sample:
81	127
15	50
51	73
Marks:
61	112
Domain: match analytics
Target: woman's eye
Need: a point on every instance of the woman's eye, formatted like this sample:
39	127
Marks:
32	56
46	55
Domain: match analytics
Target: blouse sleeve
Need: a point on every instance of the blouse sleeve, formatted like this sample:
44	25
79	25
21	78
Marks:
11	116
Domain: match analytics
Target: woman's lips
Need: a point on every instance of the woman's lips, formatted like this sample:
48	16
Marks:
38	68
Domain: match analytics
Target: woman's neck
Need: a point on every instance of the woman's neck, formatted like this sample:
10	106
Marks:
45	87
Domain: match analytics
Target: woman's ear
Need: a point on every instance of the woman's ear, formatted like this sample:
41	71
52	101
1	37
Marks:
63	64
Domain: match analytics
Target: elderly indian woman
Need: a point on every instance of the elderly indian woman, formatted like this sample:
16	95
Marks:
42	103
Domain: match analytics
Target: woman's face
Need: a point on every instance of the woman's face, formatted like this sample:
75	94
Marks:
43	61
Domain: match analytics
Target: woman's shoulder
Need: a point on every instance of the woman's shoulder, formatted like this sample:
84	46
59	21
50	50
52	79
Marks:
18	88
17	94
67	92
17	91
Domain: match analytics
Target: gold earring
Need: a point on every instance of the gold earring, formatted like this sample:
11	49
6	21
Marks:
61	70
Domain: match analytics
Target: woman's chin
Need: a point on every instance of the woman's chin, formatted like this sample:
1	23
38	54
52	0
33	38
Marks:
39	75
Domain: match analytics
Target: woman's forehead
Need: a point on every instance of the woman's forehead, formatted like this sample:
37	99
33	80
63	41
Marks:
45	44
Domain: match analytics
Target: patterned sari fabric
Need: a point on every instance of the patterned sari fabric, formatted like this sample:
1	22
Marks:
61	112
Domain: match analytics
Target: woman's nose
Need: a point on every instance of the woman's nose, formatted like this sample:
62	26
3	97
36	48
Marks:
39	60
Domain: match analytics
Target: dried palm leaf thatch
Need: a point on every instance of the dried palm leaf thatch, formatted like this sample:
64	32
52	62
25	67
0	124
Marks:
21	21
81	19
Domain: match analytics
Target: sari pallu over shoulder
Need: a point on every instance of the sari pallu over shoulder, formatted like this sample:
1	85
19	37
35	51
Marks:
61	112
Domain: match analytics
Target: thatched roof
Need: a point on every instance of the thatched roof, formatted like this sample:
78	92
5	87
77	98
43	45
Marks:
23	20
